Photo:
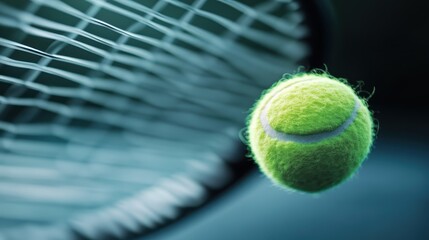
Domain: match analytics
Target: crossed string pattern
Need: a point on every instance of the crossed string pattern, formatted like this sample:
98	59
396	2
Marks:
102	101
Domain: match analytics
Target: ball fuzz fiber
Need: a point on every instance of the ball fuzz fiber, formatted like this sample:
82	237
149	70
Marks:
310	132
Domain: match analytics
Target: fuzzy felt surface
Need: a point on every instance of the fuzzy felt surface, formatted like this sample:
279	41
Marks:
305	105
308	105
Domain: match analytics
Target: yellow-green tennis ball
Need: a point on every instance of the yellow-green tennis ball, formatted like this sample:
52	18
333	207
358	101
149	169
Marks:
310	132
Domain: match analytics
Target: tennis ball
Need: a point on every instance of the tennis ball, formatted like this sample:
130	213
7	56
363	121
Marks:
310	132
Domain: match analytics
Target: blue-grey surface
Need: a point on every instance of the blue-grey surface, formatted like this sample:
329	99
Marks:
387	199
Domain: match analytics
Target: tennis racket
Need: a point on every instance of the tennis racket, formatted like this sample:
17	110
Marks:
120	117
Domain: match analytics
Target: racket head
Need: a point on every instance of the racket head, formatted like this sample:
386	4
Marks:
85	84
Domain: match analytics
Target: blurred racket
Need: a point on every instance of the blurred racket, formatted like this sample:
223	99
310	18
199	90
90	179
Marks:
119	117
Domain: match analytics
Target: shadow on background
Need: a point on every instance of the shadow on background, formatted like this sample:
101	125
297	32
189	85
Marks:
383	44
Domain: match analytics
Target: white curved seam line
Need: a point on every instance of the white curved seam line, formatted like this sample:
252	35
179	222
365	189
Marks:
303	138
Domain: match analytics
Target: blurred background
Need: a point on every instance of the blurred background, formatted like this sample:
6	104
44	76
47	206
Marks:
383	46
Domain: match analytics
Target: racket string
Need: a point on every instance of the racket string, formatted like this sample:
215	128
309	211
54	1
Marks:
121	95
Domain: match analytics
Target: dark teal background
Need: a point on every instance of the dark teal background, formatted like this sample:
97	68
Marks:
384	44
387	199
